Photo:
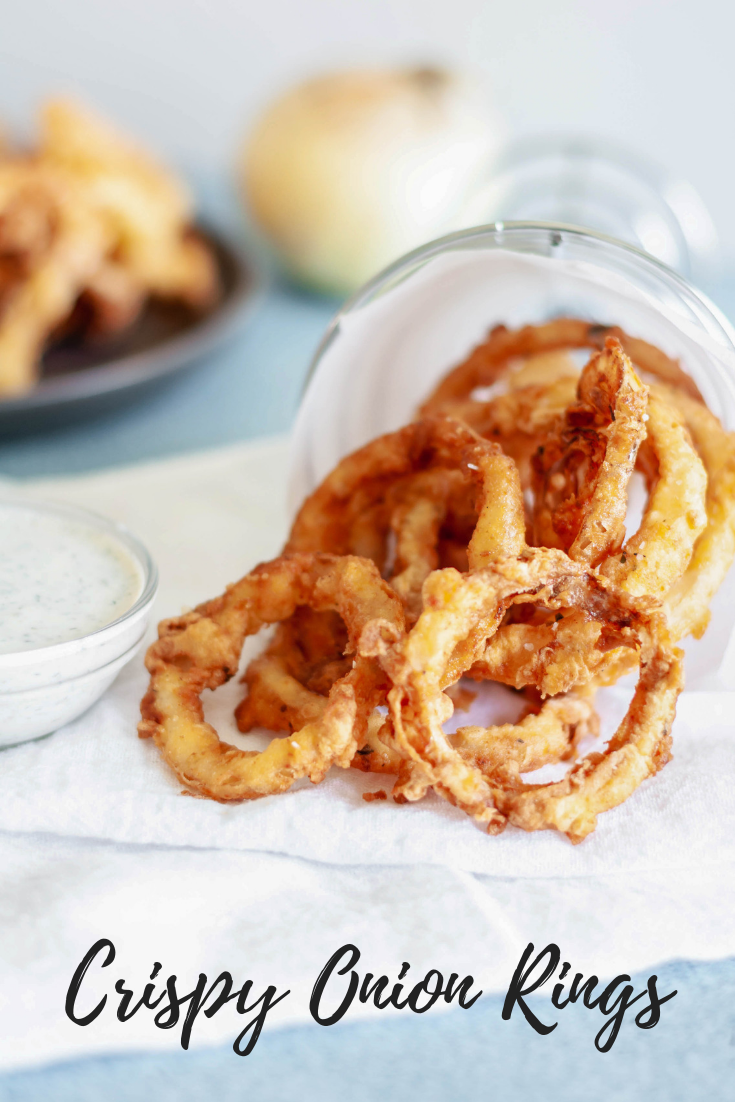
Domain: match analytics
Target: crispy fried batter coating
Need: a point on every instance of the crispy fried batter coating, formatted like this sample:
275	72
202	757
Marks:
687	602
546	595
652	561
547	734
656	556
147	209
570	651
289	682
582	469
405	485
489	361
51	246
638	749
201	650
544	736
361	482
457	604
90	227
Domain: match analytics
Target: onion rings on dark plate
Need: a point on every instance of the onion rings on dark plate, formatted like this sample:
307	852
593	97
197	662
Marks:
81	379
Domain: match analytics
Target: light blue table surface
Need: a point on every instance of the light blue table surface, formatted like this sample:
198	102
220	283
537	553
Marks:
251	388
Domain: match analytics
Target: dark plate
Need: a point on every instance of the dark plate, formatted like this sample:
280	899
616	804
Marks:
80	380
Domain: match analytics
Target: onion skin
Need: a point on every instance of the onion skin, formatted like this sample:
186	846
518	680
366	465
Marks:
347	172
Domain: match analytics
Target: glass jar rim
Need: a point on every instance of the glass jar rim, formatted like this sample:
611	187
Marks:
722	330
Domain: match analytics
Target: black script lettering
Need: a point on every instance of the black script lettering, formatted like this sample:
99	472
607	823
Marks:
423	989
199	998
613	1001
462	990
428	990
258	1021
226	994
168	1016
377	989
323	979
398	987
517	991
123	1014
616	1010
587	988
654	1007
76	982
559	987
575	991
209	999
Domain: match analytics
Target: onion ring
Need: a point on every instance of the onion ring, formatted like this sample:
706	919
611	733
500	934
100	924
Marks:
640	747
455	605
409	478
554	658
657	555
201	650
350	686
362	480
583	468
544	736
687	602
489	360
52	275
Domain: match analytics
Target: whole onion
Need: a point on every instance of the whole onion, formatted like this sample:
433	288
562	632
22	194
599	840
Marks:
346	172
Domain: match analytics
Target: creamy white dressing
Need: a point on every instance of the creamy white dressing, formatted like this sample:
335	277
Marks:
60	579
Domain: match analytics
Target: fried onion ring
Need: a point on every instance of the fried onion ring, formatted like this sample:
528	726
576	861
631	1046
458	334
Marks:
544	736
651	561
687	602
403	483
489	361
455	605
201	650
582	469
55	245
145	206
657	555
640	747
361	481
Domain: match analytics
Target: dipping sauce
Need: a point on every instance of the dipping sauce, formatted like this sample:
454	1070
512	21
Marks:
60	579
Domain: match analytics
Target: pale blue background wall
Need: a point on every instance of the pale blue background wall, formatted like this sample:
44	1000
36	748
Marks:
188	74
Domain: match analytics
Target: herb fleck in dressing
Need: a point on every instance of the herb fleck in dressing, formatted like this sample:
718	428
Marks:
60	579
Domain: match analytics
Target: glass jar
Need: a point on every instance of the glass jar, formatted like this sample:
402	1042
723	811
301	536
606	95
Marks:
391	343
586	182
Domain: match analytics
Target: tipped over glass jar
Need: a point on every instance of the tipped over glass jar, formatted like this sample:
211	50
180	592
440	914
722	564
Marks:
388	347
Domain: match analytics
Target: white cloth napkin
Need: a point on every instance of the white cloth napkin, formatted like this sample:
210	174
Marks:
271	888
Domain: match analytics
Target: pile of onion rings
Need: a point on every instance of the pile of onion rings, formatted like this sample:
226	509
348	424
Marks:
91	229
486	540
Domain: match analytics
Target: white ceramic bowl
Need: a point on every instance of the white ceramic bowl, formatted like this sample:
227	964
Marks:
44	688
